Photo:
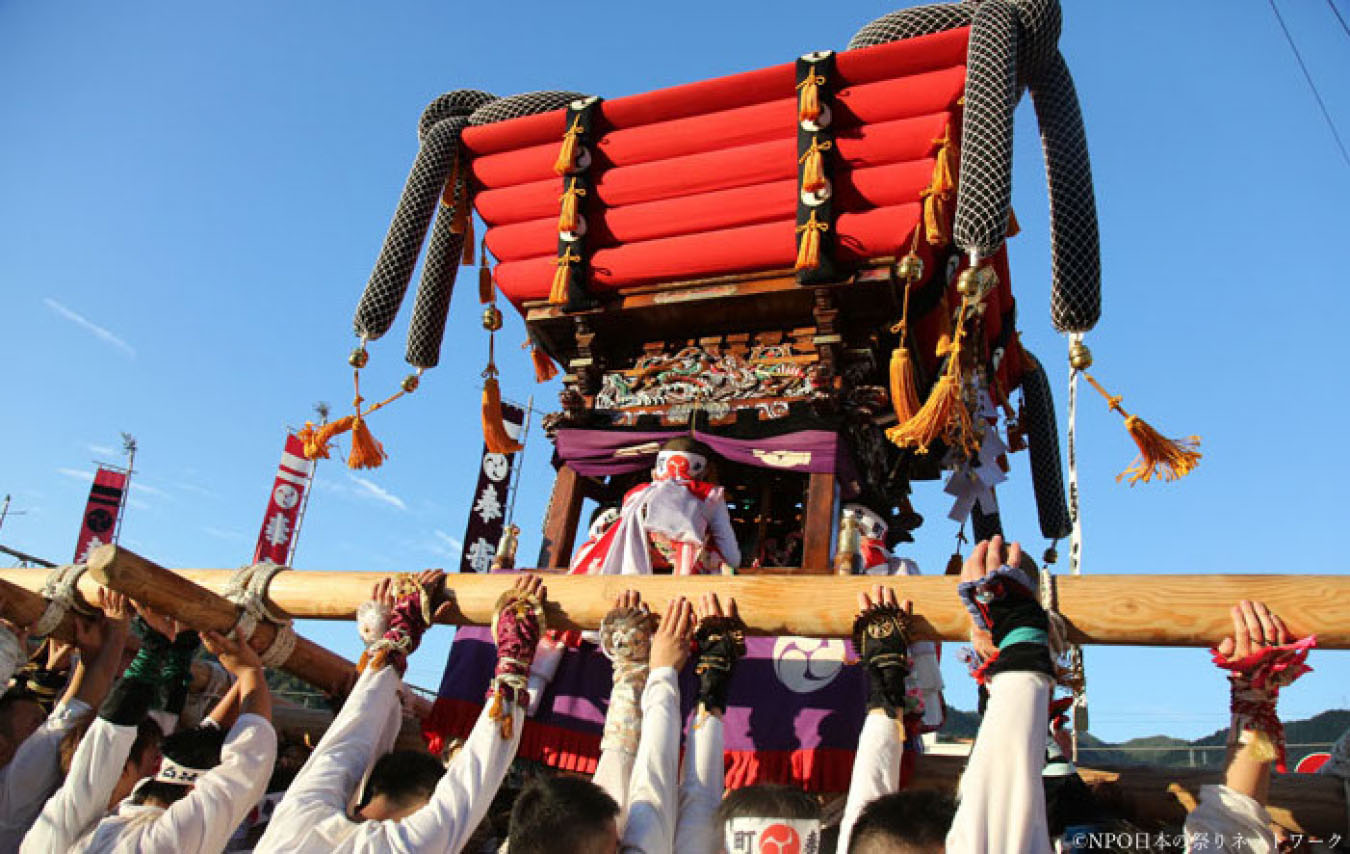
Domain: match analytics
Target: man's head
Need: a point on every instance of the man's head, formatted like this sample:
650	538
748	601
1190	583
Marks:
564	815
682	458
400	784
20	716
904	823
766	818
186	755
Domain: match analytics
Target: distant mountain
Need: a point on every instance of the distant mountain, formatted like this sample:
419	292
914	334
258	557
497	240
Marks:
1321	729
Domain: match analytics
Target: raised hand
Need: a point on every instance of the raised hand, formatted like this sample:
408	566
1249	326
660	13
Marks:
1254	627
234	652
670	644
720	643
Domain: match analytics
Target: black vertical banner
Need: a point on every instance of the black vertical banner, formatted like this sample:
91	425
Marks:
491	496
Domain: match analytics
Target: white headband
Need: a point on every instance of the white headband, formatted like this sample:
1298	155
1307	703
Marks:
754	835
172	772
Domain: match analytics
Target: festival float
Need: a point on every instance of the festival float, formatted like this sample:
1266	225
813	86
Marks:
775	301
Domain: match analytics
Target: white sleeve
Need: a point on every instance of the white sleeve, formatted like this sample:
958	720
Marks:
363	730
11	653
876	770
82	801
1002	799
613	771
653	790
461	799
696	831
723	535
1226	821
34	773
204	820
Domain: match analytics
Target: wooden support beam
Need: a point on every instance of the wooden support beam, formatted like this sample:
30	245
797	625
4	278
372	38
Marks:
818	524
1139	610
205	610
564	513
23	607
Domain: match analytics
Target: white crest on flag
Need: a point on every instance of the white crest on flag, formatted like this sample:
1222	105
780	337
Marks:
94	542
278	530
806	665
495	466
286	496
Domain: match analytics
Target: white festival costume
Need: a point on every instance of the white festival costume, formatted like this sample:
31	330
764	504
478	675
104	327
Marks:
313	816
34	773
203	820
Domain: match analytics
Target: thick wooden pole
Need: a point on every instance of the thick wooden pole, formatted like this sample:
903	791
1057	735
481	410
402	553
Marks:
1141	610
818	524
23	607
196	606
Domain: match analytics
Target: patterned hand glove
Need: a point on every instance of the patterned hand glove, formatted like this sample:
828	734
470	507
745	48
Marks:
719	642
1255	682
407	621
516	628
1005	604
626	638
881	638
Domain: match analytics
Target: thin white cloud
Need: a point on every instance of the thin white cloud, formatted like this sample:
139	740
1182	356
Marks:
137	503
89	326
452	542
77	474
101	450
370	489
138	486
192	487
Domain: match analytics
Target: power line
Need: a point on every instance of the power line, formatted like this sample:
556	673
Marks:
1337	13
1307	76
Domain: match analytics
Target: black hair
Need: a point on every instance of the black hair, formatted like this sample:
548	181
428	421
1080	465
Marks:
198	748
905	820
405	777
557	815
768	801
11	698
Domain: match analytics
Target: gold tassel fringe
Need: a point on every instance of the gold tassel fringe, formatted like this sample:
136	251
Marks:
940	197
544	368
808	104
904	393
557	294
1159	457
567	218
567	155
316	445
808	251
496	438
367	453
813	170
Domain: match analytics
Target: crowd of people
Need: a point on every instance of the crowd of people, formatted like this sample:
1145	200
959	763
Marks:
108	758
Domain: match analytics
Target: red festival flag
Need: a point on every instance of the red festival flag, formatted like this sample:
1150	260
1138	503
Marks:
100	514
276	540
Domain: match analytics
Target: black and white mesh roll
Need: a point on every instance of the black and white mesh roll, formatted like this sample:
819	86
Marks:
524	104
1047	470
432	306
984	525
1075	246
403	243
984	189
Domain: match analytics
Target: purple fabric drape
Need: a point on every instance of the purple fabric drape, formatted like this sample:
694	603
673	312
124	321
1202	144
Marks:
596	453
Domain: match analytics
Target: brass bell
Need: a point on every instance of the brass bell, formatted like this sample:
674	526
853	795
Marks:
1080	357
910	268
410	383
1051	555
358	358
968	283
492	318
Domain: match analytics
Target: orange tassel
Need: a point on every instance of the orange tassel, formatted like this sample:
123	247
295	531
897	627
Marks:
1014	227
567	155
932	420
544	368
904	393
557	295
567	219
939	198
808	105
316	447
808	251
1160	457
306	435
496	438
367	453
813	172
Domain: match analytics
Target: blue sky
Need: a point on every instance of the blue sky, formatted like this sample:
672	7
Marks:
192	195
